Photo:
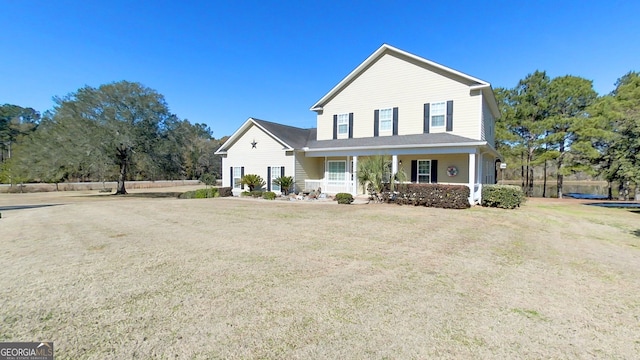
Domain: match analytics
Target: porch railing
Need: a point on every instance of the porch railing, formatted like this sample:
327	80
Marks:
331	187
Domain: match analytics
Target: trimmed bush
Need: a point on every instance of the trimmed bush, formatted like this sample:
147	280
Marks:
344	198
502	196
225	191
269	195
200	194
434	195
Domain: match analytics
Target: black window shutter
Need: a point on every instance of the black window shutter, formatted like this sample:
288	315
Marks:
395	121
232	184
426	118
414	171
450	115
268	178
434	171
376	119
282	171
350	125
335	126
241	176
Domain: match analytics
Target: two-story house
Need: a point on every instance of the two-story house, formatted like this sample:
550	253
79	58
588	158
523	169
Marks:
437	125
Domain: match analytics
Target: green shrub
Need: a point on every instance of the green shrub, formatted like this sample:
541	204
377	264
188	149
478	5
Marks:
206	193
434	195
200	194
502	196
269	195
344	198
225	191
253	181
285	183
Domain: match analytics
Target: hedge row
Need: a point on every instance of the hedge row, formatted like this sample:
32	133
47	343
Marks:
502	196
433	195
200	194
207	193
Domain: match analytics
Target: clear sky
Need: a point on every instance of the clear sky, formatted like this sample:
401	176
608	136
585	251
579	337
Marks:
221	62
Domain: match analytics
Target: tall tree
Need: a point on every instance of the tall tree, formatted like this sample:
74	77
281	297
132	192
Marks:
523	112
15	122
568	98
124	124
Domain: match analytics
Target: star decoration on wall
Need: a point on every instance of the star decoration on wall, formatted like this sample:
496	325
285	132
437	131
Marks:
253	144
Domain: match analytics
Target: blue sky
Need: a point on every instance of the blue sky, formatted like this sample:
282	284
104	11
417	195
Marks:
220	62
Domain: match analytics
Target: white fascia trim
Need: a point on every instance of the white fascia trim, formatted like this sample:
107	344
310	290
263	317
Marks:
233	138
404	146
373	57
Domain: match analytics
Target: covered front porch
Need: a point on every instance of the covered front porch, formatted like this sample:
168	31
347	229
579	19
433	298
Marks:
472	169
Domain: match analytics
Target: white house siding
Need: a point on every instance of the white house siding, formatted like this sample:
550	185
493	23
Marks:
401	82
488	124
268	152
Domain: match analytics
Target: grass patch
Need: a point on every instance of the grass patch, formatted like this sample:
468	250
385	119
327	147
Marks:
231	279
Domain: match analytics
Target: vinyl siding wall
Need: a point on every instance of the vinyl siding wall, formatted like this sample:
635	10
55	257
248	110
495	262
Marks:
461	161
307	168
403	83
268	152
488	125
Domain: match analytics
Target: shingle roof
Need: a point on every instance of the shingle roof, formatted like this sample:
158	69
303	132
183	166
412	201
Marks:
299	138
293	136
416	139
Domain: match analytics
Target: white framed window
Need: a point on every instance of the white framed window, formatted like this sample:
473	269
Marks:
424	171
336	171
438	112
343	126
237	176
385	120
275	173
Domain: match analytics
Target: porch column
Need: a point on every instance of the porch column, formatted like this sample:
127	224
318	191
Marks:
394	164
472	176
480	168
355	175
326	175
347	175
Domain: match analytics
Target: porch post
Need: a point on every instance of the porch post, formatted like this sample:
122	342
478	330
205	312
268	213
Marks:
355	175
347	175
394	164
472	175
326	175
480	168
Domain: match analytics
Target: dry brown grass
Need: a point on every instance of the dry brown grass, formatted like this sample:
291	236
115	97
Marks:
115	278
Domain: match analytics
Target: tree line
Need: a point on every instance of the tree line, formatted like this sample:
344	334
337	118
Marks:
118	131
561	124
125	131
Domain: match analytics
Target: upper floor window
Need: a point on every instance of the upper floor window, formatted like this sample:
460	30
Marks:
386	120
343	126
438	113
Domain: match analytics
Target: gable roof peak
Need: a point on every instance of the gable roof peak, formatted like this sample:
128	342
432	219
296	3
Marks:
382	50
